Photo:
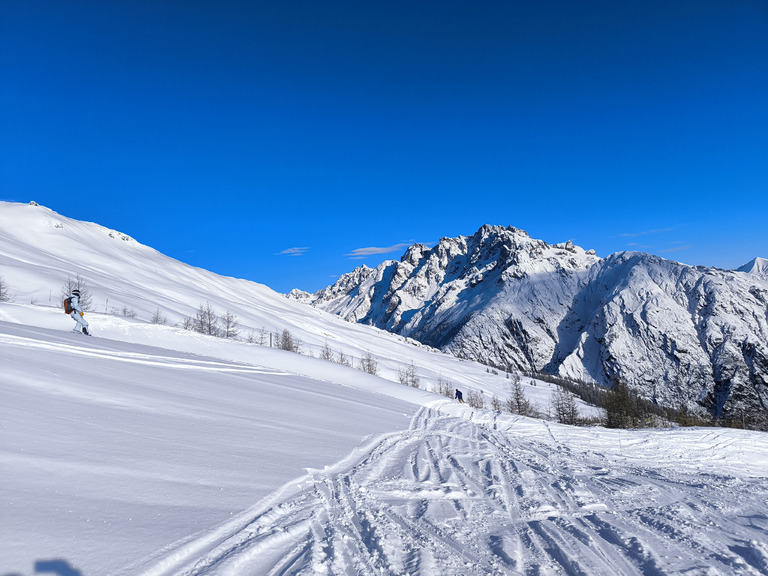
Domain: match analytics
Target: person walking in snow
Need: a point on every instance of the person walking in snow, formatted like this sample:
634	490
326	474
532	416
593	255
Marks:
459	396
77	313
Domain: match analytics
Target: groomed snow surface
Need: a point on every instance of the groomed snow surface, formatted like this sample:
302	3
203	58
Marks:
198	455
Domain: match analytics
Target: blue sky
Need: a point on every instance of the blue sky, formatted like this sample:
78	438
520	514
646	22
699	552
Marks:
288	142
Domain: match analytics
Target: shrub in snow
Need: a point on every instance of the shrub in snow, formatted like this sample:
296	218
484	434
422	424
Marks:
5	295
564	406
158	318
206	321
368	364
409	377
344	360
326	353
443	387
230	327
517	403
77	283
475	399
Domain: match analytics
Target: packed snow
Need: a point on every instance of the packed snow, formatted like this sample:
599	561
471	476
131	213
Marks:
149	449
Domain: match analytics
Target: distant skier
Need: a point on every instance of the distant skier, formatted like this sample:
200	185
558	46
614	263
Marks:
77	313
459	396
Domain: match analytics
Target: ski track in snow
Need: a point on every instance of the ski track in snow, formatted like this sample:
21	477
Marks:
182	362
450	496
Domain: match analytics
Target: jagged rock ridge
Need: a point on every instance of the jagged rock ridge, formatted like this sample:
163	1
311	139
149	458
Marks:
680	335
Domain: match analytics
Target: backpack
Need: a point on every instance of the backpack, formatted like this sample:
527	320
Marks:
68	305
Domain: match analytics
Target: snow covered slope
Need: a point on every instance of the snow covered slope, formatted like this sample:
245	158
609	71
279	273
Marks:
110	451
126	459
452	496
153	450
680	335
40	249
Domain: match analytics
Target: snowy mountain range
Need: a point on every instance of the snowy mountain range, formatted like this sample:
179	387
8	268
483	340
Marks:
154	450
679	335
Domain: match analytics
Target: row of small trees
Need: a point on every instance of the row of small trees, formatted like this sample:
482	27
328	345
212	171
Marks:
286	341
206	321
563	402
623	407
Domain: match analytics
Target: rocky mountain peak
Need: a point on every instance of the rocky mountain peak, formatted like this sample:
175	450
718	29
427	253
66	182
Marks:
679	335
757	266
414	254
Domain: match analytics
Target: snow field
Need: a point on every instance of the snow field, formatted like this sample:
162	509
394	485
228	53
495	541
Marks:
130	459
111	451
452	496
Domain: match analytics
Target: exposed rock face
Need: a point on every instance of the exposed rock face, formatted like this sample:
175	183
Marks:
679	335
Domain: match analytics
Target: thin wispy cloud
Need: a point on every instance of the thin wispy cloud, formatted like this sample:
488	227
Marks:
676	249
297	251
359	253
646	232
